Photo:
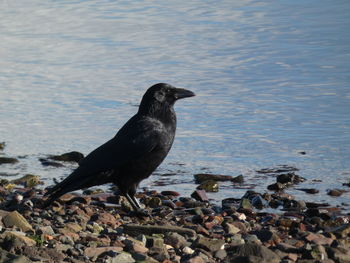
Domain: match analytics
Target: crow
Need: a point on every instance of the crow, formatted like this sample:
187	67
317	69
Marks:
134	152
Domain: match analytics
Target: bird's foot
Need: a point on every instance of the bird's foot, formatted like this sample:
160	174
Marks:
140	213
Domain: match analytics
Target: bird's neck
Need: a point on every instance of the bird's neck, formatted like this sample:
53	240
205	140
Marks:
164	113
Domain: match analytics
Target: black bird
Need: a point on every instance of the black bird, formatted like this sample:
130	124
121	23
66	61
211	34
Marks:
134	153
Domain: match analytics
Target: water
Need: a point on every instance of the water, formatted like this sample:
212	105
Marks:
271	78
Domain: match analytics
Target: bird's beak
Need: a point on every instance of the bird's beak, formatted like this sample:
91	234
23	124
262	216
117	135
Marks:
183	93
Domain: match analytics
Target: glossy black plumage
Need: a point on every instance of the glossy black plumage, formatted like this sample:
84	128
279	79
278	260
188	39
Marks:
135	152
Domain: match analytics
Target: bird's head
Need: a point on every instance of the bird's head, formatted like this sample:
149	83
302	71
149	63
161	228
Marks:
163	94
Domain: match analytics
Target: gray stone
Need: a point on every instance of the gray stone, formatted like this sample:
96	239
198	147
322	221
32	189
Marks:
209	244
254	252
175	240
135	230
12	258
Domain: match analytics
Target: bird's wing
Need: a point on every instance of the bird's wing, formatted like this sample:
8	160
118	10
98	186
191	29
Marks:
135	139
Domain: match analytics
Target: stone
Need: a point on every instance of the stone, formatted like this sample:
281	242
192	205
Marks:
276	187
170	193
339	254
238	179
341	231
135	230
209	186
245	204
289	178
231	228
187	251
96	251
175	240
106	219
2	145
335	192
209	244
154	202
16	219
123	258
196	259
309	190
68	157
200	195
46	162
262	253
29	180
19	237
73	227
220	254
200	178
12	258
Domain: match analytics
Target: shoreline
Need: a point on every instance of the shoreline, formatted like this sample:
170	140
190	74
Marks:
99	226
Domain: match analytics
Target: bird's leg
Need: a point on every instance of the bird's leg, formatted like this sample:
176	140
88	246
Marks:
135	205
136	201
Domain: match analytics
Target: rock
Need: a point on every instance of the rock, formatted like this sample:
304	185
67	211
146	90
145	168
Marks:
200	178
73	227
339	254
175	240
135	230
260	253
170	193
187	251
16	219
309	190
12	258
133	245
18	237
209	186
289	178
9	160
245	204
258	202
106	219
96	251
209	244
195	259
68	157
29	180
2	146
238	179
231	229
220	254
335	192
341	231
278	169
276	187
200	195
46	162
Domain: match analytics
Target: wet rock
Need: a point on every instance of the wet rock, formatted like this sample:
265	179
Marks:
258	202
220	254
200	178
238	179
8	160
209	186
29	180
231	228
170	193
289	178
46	162
278	169
68	157
335	192
209	244
200	195
245	204
134	230
276	187
309	190
16	219
2	146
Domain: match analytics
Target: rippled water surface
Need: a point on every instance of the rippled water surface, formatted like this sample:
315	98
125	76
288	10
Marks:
271	78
